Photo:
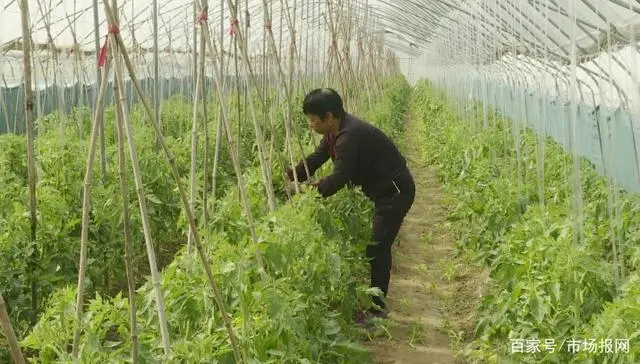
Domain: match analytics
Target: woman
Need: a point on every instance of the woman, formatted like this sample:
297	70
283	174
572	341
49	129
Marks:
362	156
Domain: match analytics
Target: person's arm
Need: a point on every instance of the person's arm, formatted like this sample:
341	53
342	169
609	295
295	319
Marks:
344	164
314	161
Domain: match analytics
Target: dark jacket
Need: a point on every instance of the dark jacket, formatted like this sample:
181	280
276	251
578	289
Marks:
363	156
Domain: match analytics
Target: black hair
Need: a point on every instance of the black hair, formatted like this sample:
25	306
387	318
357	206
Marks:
322	101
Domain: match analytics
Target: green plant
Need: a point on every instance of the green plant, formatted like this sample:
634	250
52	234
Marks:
549	281
312	250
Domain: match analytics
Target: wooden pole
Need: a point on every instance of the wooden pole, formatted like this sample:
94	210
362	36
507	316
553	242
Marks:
183	195
84	235
31	170
121	114
9	333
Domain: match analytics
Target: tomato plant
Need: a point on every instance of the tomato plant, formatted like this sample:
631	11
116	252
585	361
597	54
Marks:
313	250
543	286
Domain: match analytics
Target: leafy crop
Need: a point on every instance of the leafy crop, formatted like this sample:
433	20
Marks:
543	286
312	251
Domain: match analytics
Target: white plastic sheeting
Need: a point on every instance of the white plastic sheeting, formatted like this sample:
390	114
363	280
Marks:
528	43
176	21
532	43
69	22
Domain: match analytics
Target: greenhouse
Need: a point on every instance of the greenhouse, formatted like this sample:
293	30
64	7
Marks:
162	198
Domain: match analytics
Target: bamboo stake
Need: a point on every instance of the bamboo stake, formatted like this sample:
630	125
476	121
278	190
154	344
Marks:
194	50
219	140
128	247
362	56
269	186
333	28
76	56
314	47
268	114
31	172
293	52
194	156
350	77
174	169
289	93
9	333
287	97
156	67
306	47
96	30
155	275
263	92
271	199
205	117
103	153
245	86
85	212
329	57
234	157
54	52
236	83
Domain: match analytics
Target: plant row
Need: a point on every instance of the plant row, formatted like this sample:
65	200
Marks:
562	289
312	252
52	259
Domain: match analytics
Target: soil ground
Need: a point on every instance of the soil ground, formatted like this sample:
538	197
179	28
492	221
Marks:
433	293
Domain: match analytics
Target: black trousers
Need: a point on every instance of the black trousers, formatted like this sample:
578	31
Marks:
389	213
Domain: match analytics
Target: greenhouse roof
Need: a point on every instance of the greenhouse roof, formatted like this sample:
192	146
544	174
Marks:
473	35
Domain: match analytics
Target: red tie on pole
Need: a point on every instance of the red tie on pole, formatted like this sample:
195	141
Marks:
234	24
102	59
203	17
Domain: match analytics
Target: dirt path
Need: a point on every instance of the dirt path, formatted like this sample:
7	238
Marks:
431	291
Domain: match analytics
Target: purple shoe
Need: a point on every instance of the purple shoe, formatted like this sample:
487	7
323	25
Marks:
360	318
364	318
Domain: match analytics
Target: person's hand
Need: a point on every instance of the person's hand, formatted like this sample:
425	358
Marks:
291	187
303	187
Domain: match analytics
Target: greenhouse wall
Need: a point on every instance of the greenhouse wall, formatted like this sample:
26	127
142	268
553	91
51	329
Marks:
12	109
553	118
